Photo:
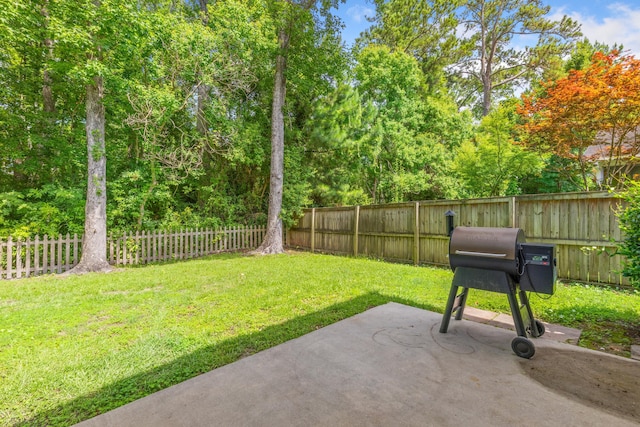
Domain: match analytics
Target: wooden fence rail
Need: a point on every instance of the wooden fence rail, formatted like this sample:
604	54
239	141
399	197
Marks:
583	226
33	257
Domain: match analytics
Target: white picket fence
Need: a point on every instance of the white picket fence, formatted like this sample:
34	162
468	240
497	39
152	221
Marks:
33	257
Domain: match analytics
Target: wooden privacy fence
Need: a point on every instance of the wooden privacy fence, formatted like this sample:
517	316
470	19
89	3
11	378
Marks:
583	226
32	257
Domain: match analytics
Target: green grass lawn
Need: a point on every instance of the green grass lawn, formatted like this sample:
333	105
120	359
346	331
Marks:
74	347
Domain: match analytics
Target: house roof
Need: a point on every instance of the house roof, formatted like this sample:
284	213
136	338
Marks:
630	146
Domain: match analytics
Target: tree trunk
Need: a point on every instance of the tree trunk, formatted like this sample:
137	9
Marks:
94	242
49	103
272	243
47	93
203	99
486	90
205	11
486	100
203	90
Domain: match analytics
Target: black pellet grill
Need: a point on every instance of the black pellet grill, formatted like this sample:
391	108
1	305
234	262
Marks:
499	260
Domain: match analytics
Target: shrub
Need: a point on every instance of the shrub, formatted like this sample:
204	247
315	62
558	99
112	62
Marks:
50	210
629	218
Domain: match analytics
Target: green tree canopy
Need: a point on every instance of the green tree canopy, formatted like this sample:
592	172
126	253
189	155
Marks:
386	139
492	164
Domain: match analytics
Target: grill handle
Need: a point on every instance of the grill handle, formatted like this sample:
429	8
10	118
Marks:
484	254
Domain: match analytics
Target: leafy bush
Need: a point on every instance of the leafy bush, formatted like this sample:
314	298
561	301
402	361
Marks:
133	204
630	225
50	210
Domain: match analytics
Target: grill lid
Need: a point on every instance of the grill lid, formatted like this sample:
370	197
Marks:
487	242
486	248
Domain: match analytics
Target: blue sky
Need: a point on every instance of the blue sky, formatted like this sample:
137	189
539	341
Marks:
609	22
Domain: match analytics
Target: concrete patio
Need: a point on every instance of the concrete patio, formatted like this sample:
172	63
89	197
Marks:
388	366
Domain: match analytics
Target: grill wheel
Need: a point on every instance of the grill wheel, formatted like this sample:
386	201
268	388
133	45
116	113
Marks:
522	347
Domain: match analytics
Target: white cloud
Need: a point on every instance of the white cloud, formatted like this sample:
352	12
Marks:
619	23
359	13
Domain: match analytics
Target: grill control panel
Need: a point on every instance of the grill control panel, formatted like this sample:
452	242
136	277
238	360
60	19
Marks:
539	268
536	259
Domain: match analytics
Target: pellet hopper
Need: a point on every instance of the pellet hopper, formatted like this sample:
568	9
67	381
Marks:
499	260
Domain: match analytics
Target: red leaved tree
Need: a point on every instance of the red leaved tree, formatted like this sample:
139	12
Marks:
590	115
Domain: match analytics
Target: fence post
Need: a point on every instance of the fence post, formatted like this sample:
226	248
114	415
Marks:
356	230
59	254
416	235
45	254
52	254
155	245
36	255
125	250
67	253
186	248
192	243
512	212
2	245
313	229
112	250
168	241
178	250
18	252
234	239
10	258
28	256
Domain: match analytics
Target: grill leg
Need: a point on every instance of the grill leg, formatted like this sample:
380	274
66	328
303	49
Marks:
535	327
448	310
460	302
515	311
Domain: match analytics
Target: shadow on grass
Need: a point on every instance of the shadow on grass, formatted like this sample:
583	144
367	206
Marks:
204	360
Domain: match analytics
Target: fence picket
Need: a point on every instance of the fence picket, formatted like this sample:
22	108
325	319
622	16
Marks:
52	255
142	250
2	259
19	245
150	246
170	238
125	250
45	254
36	256
10	259
27	258
59	254
138	248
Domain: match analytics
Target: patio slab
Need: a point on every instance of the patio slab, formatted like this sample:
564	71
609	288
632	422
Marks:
388	366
